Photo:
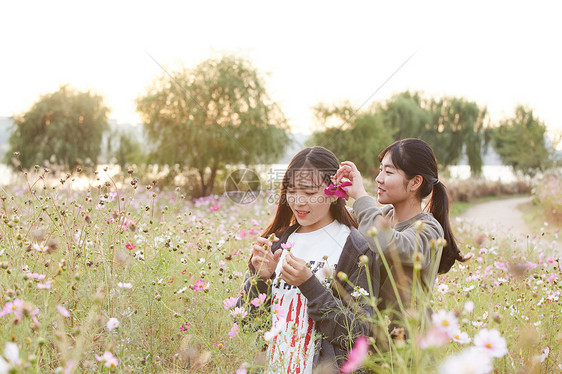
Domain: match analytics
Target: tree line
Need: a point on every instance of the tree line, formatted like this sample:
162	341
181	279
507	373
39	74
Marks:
218	113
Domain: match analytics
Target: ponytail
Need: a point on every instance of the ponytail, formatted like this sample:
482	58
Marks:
439	207
415	157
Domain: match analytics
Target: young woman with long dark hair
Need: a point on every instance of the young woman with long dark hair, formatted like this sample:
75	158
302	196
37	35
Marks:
403	229
317	233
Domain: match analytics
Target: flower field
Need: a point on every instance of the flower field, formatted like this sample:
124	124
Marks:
136	279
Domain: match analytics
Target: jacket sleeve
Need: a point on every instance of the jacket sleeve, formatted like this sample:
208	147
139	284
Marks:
405	243
339	321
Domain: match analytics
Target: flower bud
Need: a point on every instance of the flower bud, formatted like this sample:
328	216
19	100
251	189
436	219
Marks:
373	231
419	225
363	260
342	276
438	243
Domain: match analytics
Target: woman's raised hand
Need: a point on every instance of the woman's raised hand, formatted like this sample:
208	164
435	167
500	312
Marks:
294	270
262	259
349	171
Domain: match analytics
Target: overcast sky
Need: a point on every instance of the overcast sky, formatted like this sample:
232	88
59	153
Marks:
496	53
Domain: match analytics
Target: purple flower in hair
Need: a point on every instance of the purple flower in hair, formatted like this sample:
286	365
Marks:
339	190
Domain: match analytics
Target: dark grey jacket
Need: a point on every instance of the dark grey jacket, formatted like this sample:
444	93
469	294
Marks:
338	323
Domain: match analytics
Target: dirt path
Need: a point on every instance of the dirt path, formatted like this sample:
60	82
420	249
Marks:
502	214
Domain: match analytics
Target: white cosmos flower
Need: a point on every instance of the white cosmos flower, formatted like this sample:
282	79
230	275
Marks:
443	288
469	306
40	247
358	292
470	361
544	354
12	353
461	337
491	342
446	321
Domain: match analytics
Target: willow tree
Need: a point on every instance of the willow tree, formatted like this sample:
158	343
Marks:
65	127
457	128
213	115
351	135
520	142
452	126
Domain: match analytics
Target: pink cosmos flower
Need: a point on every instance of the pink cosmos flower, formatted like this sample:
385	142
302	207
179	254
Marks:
36	276
185	326
129	224
238	312
112	324
130	246
214	207
15	307
287	245
275	330
230	302
356	356
199	285
45	286
338	190
435	337
491	342
500	265
278	311
108	360
62	310
69	368
220	345
259	300
234	330
552	278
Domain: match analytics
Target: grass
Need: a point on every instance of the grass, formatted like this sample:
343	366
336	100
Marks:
162	266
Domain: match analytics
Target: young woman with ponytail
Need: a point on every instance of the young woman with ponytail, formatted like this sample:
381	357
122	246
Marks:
408	175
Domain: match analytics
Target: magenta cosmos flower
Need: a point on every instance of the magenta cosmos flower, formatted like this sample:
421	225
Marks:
339	190
356	356
199	285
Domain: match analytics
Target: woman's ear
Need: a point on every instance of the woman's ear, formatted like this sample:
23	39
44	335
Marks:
415	183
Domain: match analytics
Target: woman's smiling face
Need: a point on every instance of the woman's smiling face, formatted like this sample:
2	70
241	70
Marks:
306	198
392	183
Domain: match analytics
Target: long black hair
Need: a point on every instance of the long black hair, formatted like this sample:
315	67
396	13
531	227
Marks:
320	162
415	157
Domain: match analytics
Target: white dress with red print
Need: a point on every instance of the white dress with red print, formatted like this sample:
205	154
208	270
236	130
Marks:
292	351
